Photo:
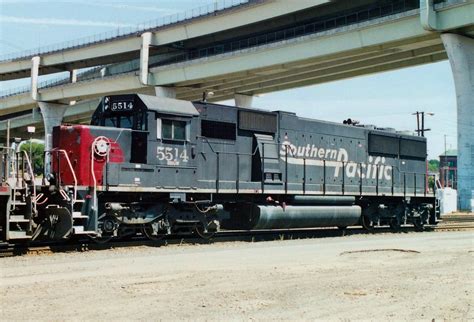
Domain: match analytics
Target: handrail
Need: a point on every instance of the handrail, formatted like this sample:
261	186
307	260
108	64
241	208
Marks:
224	152
70	168
32	174
343	163
282	144
7	153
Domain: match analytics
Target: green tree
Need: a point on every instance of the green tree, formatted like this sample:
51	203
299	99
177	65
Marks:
37	158
433	165
431	183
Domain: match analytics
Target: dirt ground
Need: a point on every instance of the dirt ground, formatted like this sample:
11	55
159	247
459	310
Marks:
415	276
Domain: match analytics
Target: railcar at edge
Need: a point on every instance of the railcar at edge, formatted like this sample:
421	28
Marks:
158	166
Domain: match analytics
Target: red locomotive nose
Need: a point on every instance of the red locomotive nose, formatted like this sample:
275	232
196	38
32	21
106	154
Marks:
78	142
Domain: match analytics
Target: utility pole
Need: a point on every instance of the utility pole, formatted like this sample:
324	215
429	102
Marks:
421	129
421	132
445	168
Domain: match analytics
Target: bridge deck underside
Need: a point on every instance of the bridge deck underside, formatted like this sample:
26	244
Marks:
377	46
277	77
295	74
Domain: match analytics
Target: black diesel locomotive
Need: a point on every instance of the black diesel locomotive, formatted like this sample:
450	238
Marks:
159	166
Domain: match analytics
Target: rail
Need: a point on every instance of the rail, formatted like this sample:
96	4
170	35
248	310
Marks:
394	168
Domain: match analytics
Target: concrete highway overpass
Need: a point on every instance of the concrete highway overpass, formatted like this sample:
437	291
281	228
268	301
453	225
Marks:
256	47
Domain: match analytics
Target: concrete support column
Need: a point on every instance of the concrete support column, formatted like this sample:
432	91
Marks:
169	92
52	116
73	75
73	79
460	51
144	57
428	15
242	100
35	63
104	72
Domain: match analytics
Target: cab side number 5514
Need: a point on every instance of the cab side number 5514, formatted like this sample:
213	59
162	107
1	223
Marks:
172	154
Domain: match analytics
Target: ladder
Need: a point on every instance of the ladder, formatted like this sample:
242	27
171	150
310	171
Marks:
73	200
270	172
22	206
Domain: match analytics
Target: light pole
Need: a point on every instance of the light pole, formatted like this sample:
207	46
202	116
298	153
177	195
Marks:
446	169
206	94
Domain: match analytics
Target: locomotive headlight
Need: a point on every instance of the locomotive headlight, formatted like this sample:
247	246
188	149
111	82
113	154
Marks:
101	146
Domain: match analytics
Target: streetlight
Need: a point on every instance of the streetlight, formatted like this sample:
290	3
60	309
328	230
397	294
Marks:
207	94
31	130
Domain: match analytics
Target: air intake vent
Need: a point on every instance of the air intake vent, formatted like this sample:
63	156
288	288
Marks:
258	121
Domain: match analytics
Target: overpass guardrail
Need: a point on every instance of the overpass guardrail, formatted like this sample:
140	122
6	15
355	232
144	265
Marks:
217	6
358	15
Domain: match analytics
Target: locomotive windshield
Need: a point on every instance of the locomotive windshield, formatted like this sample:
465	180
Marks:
121	111
133	121
131	112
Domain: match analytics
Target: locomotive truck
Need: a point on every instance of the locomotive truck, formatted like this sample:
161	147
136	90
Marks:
158	166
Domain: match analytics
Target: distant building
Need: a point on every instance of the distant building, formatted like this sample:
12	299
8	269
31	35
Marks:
448	168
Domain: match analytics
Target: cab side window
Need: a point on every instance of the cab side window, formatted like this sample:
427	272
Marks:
171	129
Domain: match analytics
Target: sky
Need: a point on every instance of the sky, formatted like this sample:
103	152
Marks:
385	99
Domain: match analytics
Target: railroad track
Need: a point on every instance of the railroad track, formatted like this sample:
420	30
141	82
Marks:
7	250
457	221
226	236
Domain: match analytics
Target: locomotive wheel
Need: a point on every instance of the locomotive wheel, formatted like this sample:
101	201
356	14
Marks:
199	229
147	230
57	225
418	223
107	227
395	224
367	223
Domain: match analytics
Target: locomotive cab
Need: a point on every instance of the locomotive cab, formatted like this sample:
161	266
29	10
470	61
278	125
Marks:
126	112
160	144
151	119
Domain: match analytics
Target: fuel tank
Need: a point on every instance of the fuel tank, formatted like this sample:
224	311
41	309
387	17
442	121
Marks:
253	216
322	200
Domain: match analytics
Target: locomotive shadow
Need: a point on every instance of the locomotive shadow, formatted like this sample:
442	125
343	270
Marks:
224	236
